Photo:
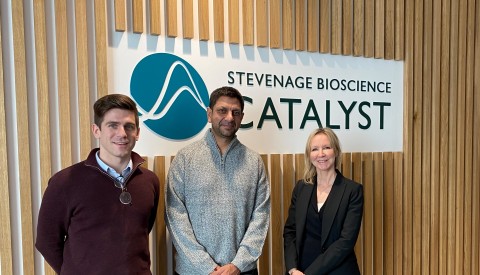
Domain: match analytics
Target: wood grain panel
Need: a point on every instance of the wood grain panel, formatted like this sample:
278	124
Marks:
101	48
347	27
5	221
337	27
288	24
264	260
369	214
218	21
21	104
358	28
387	198
288	182
155	17
389	29
63	83
41	65
276	221
399	212
426	136
369	30
399	29
172	25
469	147
313	13
325	33
476	149
188	22
120	18
160	227
203	20
83	84
380	28
248	23
408	140
261	24
435	139
137	16
378	238
461	258
299	166
452	139
275	24
300	25
444	121
233	22
356	175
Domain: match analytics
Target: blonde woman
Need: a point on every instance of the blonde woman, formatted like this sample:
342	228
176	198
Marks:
325	213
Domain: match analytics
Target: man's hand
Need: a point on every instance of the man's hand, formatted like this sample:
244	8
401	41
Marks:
228	269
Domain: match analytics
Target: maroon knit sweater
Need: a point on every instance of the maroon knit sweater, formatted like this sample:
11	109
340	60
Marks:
83	228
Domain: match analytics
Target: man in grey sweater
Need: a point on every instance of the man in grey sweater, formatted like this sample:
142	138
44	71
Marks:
218	196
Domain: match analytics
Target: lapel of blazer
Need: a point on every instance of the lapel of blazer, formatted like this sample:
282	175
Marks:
331	207
303	201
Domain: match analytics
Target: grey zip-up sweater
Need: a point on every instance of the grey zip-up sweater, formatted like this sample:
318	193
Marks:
218	207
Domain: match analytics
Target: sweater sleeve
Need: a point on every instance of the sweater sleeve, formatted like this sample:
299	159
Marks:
52	225
252	243
178	222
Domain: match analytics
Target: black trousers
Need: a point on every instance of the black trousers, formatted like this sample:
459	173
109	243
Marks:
251	272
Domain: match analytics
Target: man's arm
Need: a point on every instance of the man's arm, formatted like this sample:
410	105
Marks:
178	221
252	243
52	226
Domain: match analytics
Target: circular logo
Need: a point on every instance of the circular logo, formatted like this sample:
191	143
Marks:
171	96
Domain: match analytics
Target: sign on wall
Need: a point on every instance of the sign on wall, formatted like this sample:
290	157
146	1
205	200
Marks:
287	94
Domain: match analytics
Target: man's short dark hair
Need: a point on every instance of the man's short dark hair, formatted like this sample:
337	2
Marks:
226	91
113	101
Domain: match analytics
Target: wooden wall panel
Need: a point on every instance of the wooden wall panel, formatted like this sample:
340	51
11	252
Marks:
400	29
336	27
369	28
155	17
172	25
203	20
380	28
347	26
275	24
137	16
389	29
312	25
21	104
218	20
120	18
160	229
188	22
101	48
261	15
248	22
5	220
264	260
233	22
83	84
276	221
300	25
288	26
358	28
325	33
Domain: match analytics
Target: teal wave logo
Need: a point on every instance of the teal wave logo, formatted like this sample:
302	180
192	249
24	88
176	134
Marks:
171	96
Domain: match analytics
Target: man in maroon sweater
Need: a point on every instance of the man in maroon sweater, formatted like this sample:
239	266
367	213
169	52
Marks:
96	215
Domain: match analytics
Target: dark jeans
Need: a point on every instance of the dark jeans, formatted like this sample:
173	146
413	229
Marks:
251	272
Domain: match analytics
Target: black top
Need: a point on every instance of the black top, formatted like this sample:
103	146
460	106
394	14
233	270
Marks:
312	239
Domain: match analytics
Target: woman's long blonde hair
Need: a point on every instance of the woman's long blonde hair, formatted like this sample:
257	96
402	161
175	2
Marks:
310	171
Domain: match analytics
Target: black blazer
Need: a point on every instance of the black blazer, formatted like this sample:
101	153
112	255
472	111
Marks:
342	218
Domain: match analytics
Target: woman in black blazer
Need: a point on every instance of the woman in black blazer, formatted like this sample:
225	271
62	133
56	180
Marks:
325	213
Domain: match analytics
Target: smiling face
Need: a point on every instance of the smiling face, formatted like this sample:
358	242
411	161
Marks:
225	116
322	154
117	135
